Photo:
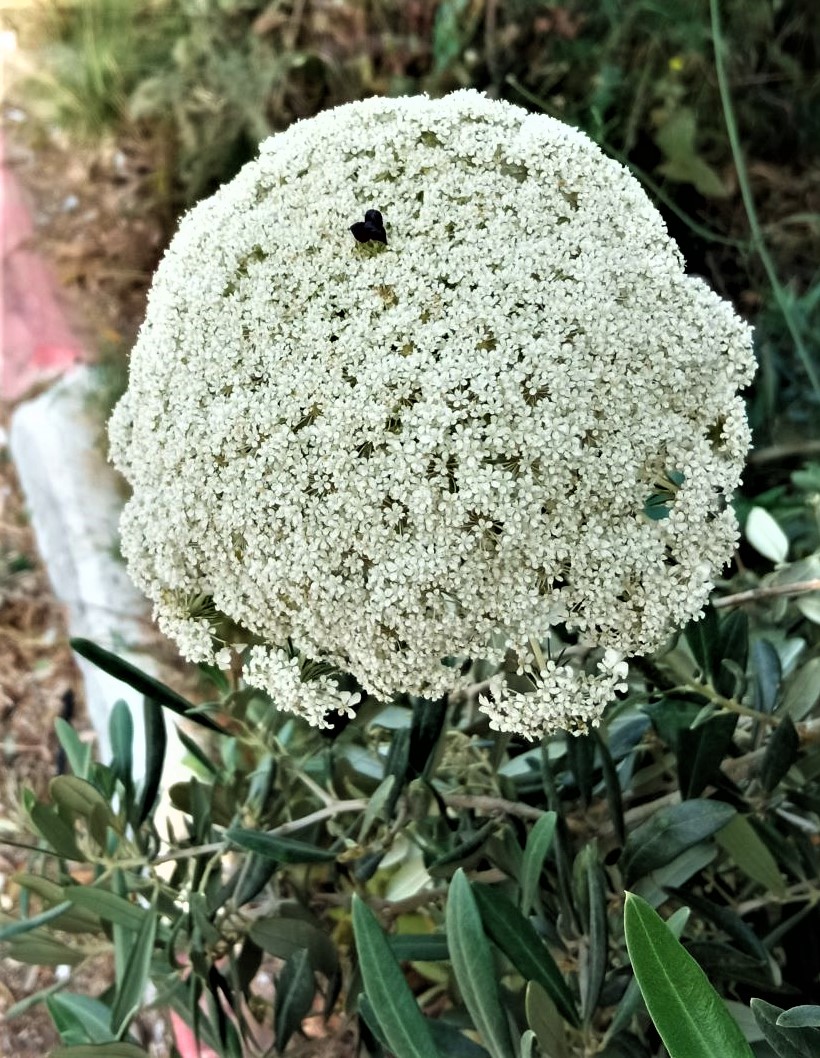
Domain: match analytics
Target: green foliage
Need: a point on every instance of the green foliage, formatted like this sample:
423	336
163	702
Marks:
499	868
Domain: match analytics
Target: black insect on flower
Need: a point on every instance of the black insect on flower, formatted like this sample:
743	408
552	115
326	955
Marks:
371	229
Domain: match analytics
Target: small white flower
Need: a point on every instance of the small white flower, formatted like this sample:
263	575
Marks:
386	455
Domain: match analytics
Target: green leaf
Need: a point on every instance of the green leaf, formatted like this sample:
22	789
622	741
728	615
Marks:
395	1007
100	1050
135	976
121	733
109	906
782	751
25	925
802	1017
295	989
594	950
80	1019
515	936
73	921
140	681
56	831
538	845
802	691
632	1000
803	1042
703	637
472	961
767	675
687	1012
612	783
545	1022
78	797
700	751
39	949
671	831
78	753
156	740
419	947
726	920
283	937
279	848
748	850
734	648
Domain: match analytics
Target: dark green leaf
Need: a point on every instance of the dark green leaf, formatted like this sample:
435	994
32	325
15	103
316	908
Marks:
515	936
464	849
670	831
787	1042
581	761
689	1015
734	647
131	988
782	751
283	937
539	841
802	1017
74	920
278	847
425	732
700	752
612	785
767	675
403	1024
472	962
419	947
156	740
725	919
295	989
703	637
140	681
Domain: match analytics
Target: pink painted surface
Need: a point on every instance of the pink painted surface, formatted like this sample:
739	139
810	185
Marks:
36	341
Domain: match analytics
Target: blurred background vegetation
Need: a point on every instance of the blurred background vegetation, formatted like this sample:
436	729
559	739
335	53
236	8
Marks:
193	85
702	788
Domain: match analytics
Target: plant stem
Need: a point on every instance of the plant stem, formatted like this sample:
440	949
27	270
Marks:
801	587
748	201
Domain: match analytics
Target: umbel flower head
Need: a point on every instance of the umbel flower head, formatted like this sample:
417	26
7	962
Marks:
372	456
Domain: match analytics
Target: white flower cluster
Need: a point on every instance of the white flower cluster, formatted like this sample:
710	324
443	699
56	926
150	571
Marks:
518	412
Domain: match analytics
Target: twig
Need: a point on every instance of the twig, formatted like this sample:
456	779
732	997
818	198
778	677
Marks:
493	805
800	587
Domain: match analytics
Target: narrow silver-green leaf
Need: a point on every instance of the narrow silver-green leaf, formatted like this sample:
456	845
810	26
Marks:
690	1016
394	1005
472	960
78	753
25	925
135	974
295	989
797	1042
277	847
538	845
80	1019
805	1016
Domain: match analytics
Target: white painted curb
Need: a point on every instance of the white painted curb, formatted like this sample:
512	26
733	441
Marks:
74	504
